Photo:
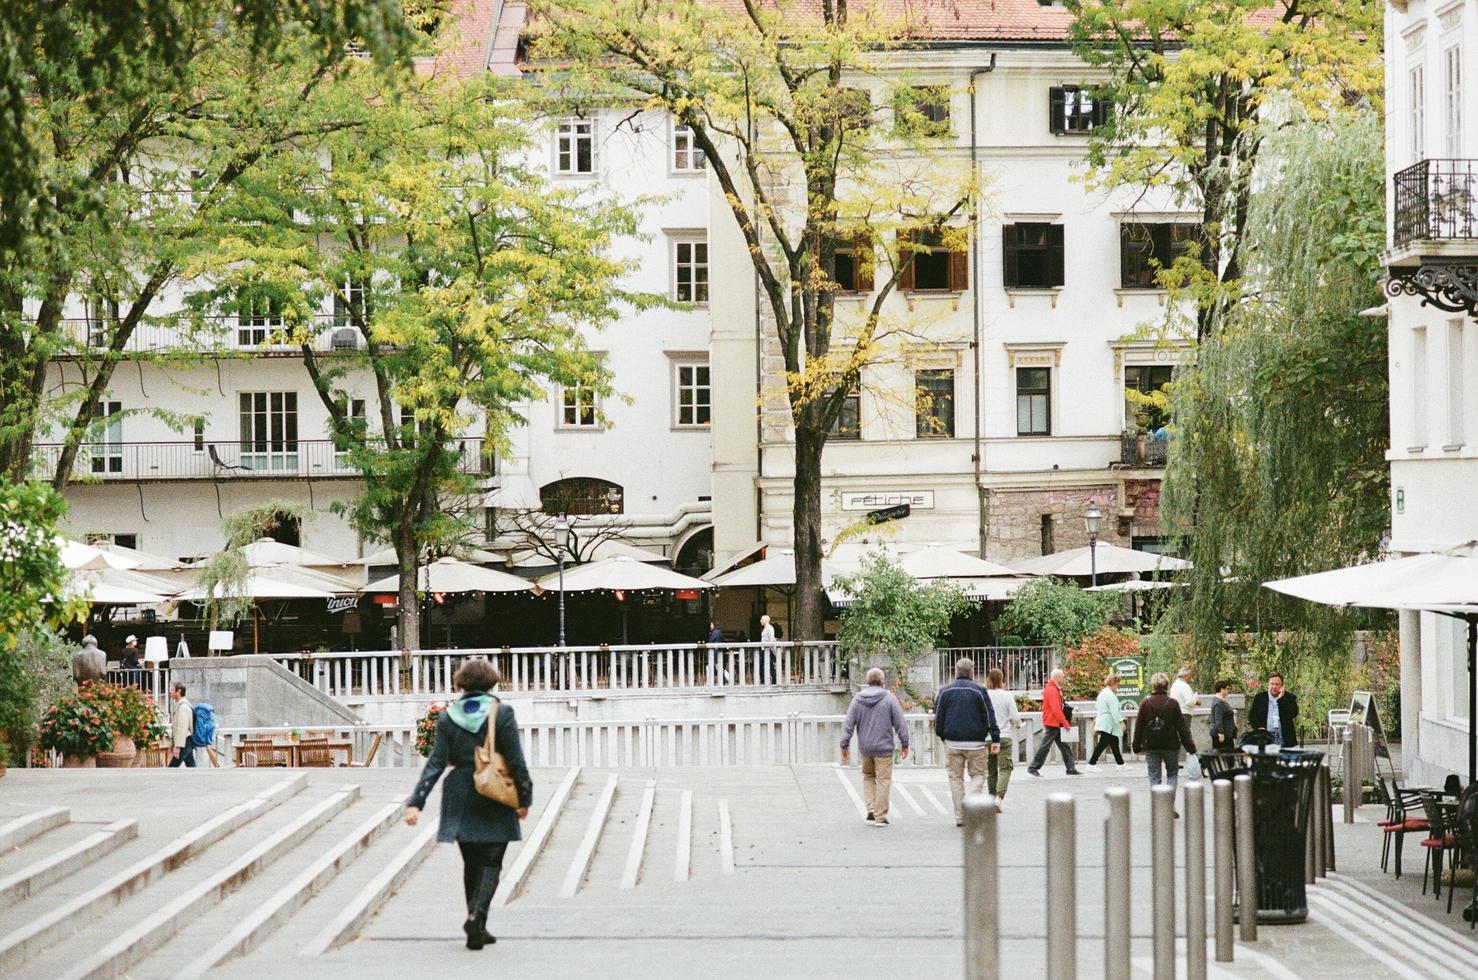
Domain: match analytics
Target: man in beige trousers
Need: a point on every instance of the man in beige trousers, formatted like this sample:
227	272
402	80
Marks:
181	728
876	716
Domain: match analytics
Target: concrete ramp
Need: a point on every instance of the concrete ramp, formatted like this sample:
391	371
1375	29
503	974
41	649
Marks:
258	692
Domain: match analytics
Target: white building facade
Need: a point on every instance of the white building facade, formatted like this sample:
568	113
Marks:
1432	164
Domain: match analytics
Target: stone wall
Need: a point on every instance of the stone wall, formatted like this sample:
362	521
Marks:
1014	517
253	692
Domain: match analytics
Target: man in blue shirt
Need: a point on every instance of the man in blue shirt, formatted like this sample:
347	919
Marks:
1276	711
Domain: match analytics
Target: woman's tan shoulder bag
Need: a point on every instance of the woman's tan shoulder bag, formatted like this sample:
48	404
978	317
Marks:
490	770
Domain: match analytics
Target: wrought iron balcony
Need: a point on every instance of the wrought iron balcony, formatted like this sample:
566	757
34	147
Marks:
1435	200
1141	449
293	459
213	336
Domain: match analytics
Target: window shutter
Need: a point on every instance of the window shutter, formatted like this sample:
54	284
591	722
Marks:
959	270
864	259
1010	240
1103	108
1056	109
1054	255
905	256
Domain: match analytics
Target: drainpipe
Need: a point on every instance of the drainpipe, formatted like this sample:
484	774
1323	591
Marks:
979	455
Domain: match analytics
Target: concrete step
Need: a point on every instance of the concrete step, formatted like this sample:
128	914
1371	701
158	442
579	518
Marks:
116	886
245	918
582	820
16	829
64	858
27	852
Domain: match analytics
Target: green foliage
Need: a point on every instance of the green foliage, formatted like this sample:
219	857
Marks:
223	576
893	612
1280	468
32	578
1087	663
1057	612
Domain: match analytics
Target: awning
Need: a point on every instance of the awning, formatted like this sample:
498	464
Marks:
621	573
453	576
1107	559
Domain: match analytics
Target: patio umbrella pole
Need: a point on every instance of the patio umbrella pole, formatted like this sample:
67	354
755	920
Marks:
1472	697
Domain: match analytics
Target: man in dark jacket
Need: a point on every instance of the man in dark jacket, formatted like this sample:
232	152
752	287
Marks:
966	722
876	716
1160	730
1280	723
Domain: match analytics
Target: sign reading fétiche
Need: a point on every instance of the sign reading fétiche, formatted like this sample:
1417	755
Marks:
880	499
1131	680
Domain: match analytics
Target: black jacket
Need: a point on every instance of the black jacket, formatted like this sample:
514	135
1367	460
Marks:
1223	726
1173	734
467	815
962	713
1287	712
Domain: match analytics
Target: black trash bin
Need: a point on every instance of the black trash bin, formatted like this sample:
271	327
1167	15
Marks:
1282	805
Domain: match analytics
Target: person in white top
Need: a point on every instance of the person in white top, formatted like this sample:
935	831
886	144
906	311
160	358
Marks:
1182	691
1008	720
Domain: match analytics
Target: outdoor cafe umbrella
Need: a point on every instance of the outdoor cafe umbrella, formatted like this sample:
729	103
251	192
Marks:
76	555
622	574
115	587
265	551
1445	583
451	575
1106	559
936	561
277	582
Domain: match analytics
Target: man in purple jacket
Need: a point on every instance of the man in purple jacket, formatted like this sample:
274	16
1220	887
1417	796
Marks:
876	715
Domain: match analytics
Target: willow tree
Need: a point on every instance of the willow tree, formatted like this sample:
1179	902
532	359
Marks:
466	279
783	99
1197	86
1284	469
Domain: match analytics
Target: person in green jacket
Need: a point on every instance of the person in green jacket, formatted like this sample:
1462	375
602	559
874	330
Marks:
1108	724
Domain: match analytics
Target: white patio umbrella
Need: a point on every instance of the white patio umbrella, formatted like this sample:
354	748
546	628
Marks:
146	562
453	576
611	548
281	582
937	561
115	587
622	573
265	551
778	569
386	556
1106	559
1135	585
992	589
1445	583
76	555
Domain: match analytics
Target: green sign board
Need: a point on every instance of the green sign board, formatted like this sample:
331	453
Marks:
1131	680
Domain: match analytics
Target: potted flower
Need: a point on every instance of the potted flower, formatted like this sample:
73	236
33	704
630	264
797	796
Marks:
76	729
154	749
130	712
426	728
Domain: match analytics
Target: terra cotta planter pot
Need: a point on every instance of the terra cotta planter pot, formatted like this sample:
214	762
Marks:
76	762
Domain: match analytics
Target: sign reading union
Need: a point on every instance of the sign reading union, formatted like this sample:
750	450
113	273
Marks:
342	603
917	499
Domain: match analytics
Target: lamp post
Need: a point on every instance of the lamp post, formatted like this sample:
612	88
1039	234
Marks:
1092	518
561	541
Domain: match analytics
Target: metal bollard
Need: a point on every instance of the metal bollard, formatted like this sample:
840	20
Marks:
1246	861
1195	880
1316	824
1221	829
1347	756
982	890
1117	938
1162	879
1309	843
1328	820
1062	889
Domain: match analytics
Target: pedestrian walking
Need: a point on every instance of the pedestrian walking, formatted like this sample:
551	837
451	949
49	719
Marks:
1160	731
481	827
89	663
1108	723
966	722
1279	723
877	717
1223	719
715	634
716	671
998	765
182	726
1054	723
1182	691
769	652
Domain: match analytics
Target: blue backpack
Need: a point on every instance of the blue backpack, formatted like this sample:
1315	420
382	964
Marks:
203	735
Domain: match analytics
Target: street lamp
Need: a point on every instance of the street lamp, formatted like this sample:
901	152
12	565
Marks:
1092	518
561	541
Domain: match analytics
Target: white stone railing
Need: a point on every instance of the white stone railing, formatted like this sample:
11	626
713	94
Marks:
573	669
1025	668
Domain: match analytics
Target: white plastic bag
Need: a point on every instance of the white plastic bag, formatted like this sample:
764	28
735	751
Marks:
1192	767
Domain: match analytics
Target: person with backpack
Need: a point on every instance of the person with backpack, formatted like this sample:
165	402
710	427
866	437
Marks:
966	722
481	826
1160	730
182	728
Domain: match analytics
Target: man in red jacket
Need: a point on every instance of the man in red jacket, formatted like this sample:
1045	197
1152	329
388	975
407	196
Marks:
1054	723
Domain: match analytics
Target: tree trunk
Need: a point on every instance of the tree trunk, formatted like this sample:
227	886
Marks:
810	620
408	608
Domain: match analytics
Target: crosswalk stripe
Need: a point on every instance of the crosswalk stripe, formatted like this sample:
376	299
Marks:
1332	923
907	797
1432	927
1378	928
684	837
1273	968
581	861
725	838
638	846
851	791
929	794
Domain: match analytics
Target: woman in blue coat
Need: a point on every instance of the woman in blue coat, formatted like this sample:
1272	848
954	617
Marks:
481	827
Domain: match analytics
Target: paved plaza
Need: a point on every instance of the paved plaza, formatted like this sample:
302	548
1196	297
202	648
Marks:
780	878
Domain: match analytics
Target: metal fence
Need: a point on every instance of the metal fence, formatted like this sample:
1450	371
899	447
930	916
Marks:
1434	199
1026	668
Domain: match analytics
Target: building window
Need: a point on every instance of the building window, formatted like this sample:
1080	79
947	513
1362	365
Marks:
1419	387
694	396
933	267
1140	382
690	270
1046	543
1455	434
260	317
1416	93
582	495
349	302
1452	77
1034	401
199	434
855	261
687	155
848	423
269	430
106	450
577	407
1033	255
934	400
574	147
102	317
922	111
1071	109
1145	249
